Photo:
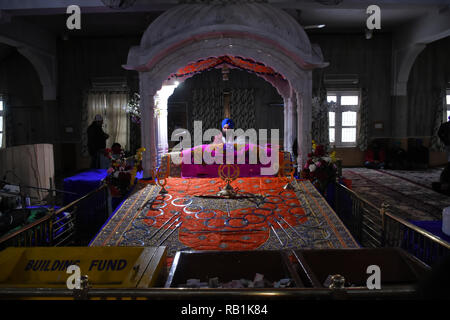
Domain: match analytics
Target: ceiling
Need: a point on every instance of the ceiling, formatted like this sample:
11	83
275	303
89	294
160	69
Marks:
98	20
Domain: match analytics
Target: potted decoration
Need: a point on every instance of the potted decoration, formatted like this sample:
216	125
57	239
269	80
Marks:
320	168
122	172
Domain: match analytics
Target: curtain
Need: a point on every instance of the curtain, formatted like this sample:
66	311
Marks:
2	122
85	122
7	122
116	120
320	122
362	131
440	114
207	106
112	107
242	108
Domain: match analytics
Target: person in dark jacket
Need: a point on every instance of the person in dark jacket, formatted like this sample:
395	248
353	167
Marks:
444	135
96	141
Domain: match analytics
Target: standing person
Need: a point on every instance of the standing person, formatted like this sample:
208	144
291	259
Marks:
444	135
96	140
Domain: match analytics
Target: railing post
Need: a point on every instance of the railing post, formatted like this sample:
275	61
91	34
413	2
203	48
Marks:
74	215
384	207
336	199
50	231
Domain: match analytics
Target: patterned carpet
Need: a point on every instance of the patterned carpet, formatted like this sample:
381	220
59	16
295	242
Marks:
408	191
423	178
187	219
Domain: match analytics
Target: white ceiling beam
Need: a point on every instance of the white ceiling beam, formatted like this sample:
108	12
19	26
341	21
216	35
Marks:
412	39
25	34
38	46
426	29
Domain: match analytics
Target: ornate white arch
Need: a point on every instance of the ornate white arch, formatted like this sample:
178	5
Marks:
188	33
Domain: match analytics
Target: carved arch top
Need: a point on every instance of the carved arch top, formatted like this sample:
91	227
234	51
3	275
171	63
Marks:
258	22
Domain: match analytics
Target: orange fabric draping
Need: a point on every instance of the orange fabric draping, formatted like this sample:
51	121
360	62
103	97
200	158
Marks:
237	62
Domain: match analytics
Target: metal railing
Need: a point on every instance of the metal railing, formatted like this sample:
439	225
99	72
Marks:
350	293
57	227
374	226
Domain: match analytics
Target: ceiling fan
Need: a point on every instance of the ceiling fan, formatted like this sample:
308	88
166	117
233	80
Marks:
296	13
314	26
118	4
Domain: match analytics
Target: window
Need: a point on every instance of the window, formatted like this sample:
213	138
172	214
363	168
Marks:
2	122
343	118
447	101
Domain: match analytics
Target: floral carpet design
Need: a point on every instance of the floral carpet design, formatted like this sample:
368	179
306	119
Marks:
189	217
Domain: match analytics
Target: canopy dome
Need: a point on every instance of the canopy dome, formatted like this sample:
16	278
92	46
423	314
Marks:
247	19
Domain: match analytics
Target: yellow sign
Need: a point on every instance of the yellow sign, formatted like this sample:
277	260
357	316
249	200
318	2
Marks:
106	267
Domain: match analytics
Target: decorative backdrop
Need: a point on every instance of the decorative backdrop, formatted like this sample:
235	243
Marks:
242	108
8	139
362	134
207	106
320	122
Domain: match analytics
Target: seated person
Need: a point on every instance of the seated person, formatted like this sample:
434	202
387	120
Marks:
221	138
116	150
397	157
418	155
115	153
374	157
252	159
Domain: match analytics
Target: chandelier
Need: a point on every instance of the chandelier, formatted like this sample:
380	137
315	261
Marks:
118	4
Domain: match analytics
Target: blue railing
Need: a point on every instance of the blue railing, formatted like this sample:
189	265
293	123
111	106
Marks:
379	227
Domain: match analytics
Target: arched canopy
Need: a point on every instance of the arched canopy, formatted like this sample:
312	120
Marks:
251	30
267	35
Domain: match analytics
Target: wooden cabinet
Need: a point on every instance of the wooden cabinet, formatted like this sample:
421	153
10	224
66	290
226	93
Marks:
29	165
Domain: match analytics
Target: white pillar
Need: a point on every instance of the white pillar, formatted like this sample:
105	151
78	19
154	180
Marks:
290	125
286	124
161	99
292	119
